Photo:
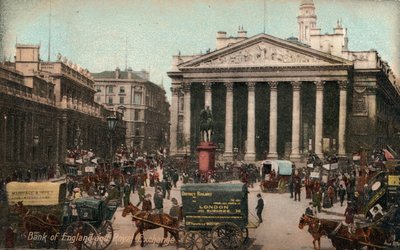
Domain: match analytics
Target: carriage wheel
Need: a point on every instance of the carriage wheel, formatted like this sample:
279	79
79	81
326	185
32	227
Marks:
207	236
227	235
77	233
104	237
194	240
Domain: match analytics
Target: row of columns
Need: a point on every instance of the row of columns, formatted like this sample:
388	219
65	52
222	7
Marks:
273	119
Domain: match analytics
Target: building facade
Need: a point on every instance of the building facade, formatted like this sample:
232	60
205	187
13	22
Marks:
47	108
143	103
283	98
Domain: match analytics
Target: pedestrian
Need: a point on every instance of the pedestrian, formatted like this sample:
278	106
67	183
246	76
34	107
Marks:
342	193
174	210
158	204
131	180
297	187
147	203
127	194
141	192
74	211
291	187
175	177
349	216
259	207
331	194
316	198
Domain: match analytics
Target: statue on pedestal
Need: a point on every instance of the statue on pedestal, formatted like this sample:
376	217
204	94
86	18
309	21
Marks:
206	124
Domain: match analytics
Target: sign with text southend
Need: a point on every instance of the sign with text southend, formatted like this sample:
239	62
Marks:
207	205
35	193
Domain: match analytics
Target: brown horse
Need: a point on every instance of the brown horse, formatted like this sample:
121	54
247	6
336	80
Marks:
38	223
372	237
171	224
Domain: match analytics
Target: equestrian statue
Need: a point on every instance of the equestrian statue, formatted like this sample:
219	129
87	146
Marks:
206	124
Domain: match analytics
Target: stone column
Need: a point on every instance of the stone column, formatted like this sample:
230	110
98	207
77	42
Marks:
186	116
207	95
228	154
371	93
174	120
273	120
295	154
319	117
251	106
342	118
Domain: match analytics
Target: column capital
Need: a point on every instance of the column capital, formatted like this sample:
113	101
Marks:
273	85
207	85
343	85
186	86
175	90
251	86
371	90
296	85
229	86
320	85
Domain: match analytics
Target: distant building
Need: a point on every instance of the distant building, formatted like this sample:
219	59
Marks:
47	108
276	98
143	103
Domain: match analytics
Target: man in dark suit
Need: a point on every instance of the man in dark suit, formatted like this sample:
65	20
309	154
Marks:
260	207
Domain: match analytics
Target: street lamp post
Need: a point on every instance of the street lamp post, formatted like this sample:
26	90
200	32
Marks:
111	123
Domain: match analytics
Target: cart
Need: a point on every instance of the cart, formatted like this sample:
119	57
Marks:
281	169
215	213
41	207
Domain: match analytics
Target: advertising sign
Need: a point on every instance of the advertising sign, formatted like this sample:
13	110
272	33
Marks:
34	193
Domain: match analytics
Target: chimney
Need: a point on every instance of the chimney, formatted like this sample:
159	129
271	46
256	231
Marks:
129	73
221	39
242	33
117	73
27	58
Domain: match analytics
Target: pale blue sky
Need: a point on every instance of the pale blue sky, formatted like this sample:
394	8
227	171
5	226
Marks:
92	32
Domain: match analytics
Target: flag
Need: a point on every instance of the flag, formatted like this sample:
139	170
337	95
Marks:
388	155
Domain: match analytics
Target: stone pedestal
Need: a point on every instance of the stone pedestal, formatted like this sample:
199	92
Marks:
206	157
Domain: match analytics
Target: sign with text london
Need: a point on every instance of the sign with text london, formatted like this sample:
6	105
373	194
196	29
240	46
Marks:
207	205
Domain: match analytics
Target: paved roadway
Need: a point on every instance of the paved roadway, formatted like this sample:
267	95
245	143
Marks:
279	231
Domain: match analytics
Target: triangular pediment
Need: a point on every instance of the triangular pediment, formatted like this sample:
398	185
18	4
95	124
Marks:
263	51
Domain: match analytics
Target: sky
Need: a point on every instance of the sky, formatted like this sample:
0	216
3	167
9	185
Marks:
98	34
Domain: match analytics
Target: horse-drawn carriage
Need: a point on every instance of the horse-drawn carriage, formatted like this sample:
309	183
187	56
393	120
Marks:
46	217
214	214
275	175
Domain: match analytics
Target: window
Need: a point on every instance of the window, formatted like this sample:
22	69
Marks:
98	98
121	100
122	90
110	89
137	99
98	89
110	100
137	115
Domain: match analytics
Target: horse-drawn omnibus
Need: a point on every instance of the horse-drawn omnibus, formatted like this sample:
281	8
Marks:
47	218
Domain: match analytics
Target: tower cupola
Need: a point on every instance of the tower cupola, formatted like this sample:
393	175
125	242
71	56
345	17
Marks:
307	20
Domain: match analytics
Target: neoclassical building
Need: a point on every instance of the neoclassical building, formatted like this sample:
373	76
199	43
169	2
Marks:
282	98
47	108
